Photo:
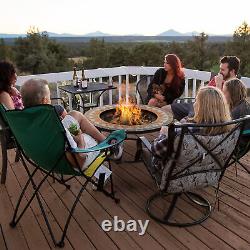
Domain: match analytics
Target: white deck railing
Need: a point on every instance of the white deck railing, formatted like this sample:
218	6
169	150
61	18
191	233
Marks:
97	75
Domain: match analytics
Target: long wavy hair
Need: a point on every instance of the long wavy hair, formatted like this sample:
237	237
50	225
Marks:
176	65
237	91
7	70
210	108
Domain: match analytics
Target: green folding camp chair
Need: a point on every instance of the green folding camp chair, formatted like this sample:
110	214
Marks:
41	139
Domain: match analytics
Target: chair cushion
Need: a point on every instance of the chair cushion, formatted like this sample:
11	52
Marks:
192	153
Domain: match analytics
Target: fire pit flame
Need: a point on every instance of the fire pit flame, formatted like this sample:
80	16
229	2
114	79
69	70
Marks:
128	114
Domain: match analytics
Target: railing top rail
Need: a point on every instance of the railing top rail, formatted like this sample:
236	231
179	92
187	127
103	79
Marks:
116	71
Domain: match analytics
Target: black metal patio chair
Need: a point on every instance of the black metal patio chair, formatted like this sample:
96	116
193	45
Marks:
242	149
193	161
142	88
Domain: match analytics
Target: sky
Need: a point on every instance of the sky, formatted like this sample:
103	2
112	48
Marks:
119	17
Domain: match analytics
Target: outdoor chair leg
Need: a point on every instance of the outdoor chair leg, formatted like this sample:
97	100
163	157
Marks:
61	242
165	219
236	169
14	221
243	166
41	206
4	159
138	150
17	158
112	185
171	208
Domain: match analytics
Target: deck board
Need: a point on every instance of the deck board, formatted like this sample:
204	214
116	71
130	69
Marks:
227	228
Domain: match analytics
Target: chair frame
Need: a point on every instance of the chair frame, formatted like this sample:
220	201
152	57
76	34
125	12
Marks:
36	194
104	155
240	154
7	142
173	158
137	88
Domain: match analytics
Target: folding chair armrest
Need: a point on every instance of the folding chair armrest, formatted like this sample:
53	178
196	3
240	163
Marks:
118	135
146	143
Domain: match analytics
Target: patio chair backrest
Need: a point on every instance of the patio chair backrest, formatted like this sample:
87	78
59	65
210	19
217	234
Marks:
142	88
198	160
185	100
40	135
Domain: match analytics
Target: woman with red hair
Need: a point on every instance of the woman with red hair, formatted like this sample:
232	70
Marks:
168	82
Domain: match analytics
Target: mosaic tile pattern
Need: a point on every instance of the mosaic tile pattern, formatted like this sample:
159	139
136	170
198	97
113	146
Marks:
162	118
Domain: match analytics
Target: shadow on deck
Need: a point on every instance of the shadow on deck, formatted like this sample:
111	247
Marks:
227	228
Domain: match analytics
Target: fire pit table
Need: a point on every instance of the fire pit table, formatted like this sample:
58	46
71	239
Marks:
134	119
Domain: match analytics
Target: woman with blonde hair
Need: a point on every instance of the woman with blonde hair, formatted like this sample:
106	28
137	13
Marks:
210	107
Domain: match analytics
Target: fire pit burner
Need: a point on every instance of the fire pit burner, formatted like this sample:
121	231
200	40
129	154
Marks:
153	118
111	117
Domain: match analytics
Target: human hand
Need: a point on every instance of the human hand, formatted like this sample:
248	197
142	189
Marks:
218	80
160	97
79	139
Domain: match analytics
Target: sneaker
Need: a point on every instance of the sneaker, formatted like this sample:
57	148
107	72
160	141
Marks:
117	152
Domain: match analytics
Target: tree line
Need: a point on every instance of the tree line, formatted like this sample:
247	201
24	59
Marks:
37	53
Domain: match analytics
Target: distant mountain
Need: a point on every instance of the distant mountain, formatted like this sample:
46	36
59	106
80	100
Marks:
96	34
11	35
172	32
168	33
51	34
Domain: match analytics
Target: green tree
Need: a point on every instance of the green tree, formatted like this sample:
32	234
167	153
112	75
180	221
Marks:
197	52
240	47
147	54
98	54
5	51
242	33
118	56
36	54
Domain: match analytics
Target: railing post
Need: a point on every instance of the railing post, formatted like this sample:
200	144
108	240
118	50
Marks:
120	87
110	92
186	87
70	101
137	94
101	97
194	88
58	94
202	83
127	88
90	94
81	105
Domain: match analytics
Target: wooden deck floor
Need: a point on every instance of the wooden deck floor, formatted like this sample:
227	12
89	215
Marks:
228	228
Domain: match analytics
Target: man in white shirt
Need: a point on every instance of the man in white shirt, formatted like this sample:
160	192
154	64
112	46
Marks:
35	92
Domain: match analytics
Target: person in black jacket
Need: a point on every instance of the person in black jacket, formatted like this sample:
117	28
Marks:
168	83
